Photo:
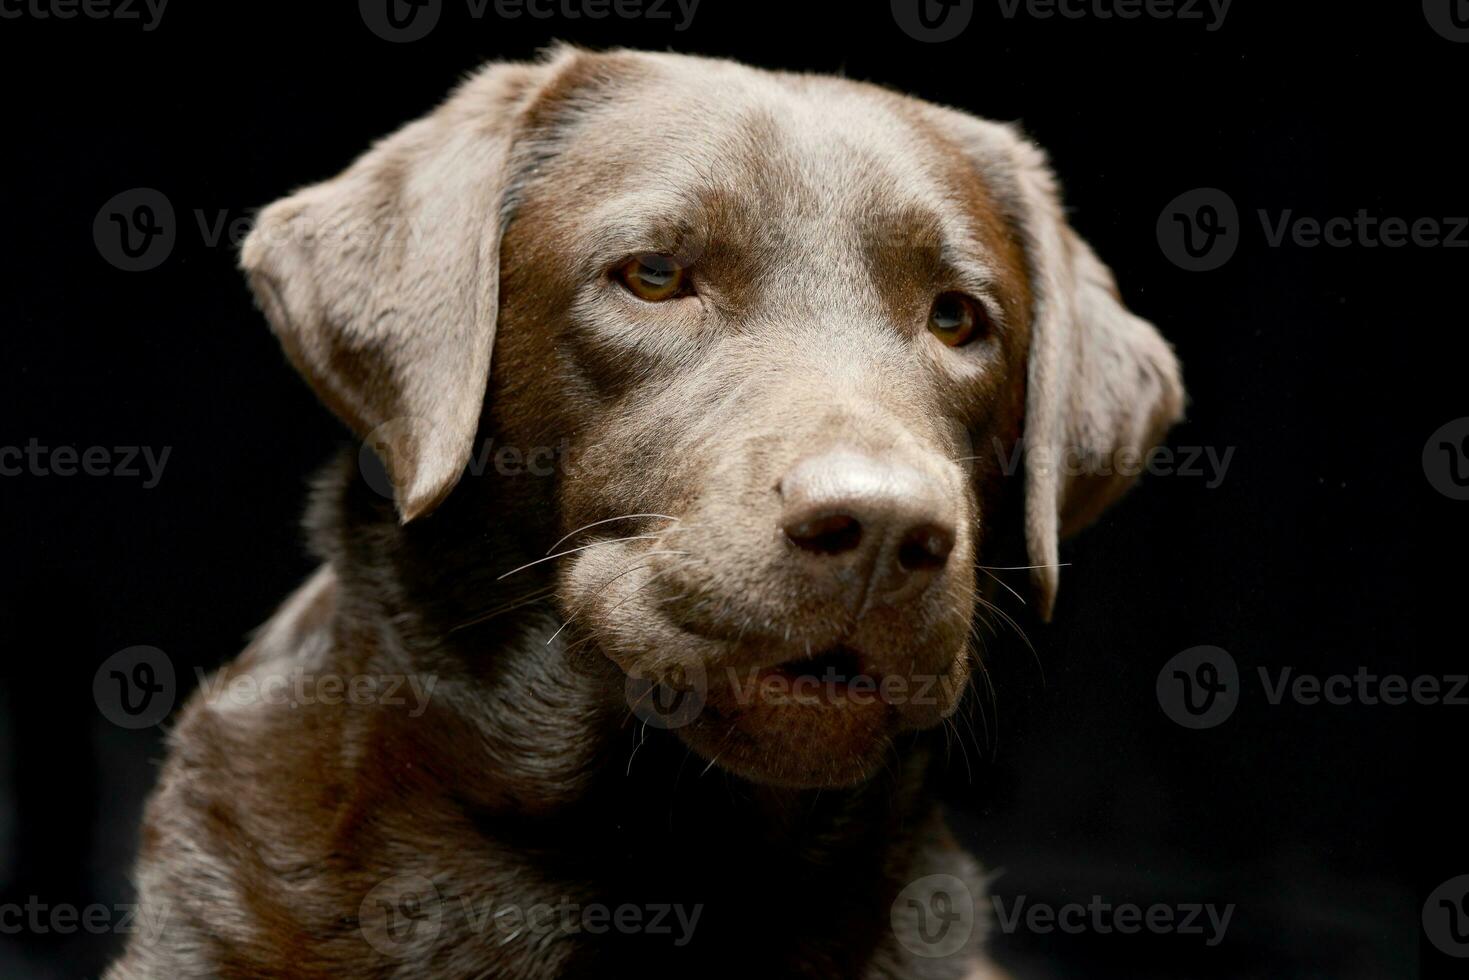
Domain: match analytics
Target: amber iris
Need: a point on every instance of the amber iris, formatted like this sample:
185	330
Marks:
652	277
956	319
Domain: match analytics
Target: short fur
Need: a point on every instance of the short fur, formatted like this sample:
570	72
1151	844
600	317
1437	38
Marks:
819	217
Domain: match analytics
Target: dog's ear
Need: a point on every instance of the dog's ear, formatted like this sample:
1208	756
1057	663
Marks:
382	283
1103	386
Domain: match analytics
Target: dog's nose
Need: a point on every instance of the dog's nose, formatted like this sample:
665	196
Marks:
881	530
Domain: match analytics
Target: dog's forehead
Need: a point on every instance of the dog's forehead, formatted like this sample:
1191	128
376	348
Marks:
680	137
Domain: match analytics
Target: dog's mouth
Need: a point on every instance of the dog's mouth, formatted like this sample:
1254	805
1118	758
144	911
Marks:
796	697
836	670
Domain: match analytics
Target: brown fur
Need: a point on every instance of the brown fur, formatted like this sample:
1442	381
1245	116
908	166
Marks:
818	217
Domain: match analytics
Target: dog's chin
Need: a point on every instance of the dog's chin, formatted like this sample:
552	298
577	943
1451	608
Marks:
823	721
792	741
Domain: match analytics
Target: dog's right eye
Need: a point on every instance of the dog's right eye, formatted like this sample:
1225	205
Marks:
652	277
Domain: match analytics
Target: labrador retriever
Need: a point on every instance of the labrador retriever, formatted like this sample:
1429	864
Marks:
629	643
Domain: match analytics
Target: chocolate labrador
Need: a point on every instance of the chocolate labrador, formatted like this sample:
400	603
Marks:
630	643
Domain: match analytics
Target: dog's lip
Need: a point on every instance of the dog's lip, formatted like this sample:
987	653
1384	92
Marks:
838	676
838	665
771	654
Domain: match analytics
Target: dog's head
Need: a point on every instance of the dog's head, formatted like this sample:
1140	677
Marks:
795	335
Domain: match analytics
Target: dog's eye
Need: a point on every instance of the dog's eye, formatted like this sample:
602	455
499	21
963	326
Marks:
956	319
653	277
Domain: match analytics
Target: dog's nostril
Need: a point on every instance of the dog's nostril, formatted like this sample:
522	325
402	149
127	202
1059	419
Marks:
925	548
830	534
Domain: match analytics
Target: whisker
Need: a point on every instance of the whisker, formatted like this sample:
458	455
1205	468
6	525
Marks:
614	578
642	737
571	551
609	520
1003	583
529	599
1010	622
651	580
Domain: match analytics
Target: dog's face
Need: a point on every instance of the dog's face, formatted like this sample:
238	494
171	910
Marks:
788	330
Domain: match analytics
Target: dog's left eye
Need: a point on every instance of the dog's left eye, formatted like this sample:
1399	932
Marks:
956	319
653	277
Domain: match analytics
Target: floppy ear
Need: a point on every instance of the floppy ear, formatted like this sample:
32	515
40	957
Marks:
1103	386
382	283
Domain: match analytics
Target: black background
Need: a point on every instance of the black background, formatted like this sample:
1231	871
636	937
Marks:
1326	369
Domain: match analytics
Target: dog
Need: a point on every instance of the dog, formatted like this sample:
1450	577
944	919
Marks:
629	645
